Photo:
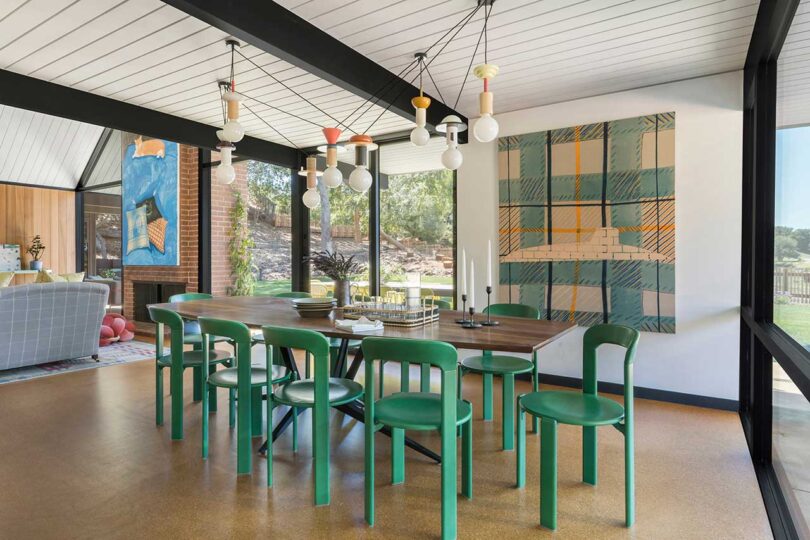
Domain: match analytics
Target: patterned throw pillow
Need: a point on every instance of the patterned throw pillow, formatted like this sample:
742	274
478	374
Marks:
157	234
137	232
75	277
5	279
47	277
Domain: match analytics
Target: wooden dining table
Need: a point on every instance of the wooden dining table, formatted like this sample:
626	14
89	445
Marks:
512	334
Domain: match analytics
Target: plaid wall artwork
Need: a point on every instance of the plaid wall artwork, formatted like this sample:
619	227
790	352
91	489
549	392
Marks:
587	222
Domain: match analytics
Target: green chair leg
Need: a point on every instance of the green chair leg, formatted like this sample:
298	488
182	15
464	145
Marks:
424	381
448	490
212	392
520	458
176	382
397	455
269	428
629	477
487	396
548	473
508	392
231	407
369	472
159	396
320	443
205	420
589	455
197	395
295	430
466	459
535	387
244	451
256	413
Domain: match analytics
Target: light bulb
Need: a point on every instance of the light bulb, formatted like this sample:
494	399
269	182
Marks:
332	177
420	136
486	128
226	174
360	179
233	131
452	158
311	198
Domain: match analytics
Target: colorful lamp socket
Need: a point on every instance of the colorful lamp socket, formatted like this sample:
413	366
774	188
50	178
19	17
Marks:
452	126
311	198
360	179
486	127
332	177
225	173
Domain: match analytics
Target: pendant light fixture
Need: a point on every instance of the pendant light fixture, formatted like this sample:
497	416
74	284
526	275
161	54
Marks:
225	173
332	177
452	125
486	127
420	136
360	179
233	131
311	198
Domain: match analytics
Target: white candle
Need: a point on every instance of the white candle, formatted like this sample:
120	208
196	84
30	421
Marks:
463	271
489	263
472	282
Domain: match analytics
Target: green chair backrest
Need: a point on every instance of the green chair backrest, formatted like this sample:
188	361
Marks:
160	317
297	338
236	332
292	294
604	334
441	304
189	296
513	310
415	351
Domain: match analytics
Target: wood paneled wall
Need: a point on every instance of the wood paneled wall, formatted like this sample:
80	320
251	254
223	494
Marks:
28	211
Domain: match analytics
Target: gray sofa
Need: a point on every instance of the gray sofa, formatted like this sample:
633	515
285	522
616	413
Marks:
44	322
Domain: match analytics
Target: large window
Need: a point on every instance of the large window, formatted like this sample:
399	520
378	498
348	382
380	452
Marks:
417	233
101	241
270	222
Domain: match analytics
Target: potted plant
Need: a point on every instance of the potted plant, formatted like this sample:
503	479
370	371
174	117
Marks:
338	268
36	249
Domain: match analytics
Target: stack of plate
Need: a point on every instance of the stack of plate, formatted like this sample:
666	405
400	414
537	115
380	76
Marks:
313	308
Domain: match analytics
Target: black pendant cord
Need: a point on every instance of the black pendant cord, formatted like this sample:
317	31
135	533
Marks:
427	65
291	90
436	86
407	69
268	124
293	115
472	59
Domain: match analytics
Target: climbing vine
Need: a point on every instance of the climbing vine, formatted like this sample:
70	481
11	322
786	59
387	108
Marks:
240	246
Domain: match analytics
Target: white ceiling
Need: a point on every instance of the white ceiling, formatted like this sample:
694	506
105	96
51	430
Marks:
44	150
548	50
401	158
150	54
793	72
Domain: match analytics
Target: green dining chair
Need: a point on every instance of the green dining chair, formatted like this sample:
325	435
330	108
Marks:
506	366
292	295
421	411
191	334
319	394
177	361
587	409
244	382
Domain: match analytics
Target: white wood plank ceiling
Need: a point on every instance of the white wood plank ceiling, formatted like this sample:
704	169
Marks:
793	72
44	150
548	50
150	54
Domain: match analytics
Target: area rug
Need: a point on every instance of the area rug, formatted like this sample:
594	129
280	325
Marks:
117	353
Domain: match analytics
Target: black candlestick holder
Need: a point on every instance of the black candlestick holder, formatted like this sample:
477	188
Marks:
470	323
463	319
489	321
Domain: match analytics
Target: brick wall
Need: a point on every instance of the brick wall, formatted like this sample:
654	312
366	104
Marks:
222	199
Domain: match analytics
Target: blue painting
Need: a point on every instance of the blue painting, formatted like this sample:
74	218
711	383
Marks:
150	203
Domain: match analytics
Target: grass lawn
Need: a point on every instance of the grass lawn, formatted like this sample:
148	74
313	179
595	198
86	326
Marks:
795	320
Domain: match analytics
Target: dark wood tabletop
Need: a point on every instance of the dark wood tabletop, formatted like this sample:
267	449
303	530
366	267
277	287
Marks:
514	334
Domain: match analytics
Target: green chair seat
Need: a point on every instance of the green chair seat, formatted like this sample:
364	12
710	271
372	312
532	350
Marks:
195	358
417	410
497	364
302	393
228	378
573	408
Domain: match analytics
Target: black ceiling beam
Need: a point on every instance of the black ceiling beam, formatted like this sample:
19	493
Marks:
48	98
285	35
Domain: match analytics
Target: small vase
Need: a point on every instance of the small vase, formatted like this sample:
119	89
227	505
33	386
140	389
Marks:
343	289
35	265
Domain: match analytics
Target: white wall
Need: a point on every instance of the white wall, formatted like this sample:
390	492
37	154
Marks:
702	357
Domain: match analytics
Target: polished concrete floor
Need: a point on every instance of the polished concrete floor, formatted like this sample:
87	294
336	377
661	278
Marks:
81	457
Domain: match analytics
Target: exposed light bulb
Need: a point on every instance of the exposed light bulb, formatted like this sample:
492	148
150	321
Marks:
486	128
360	179
420	136
226	174
311	198
233	131
332	177
452	158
